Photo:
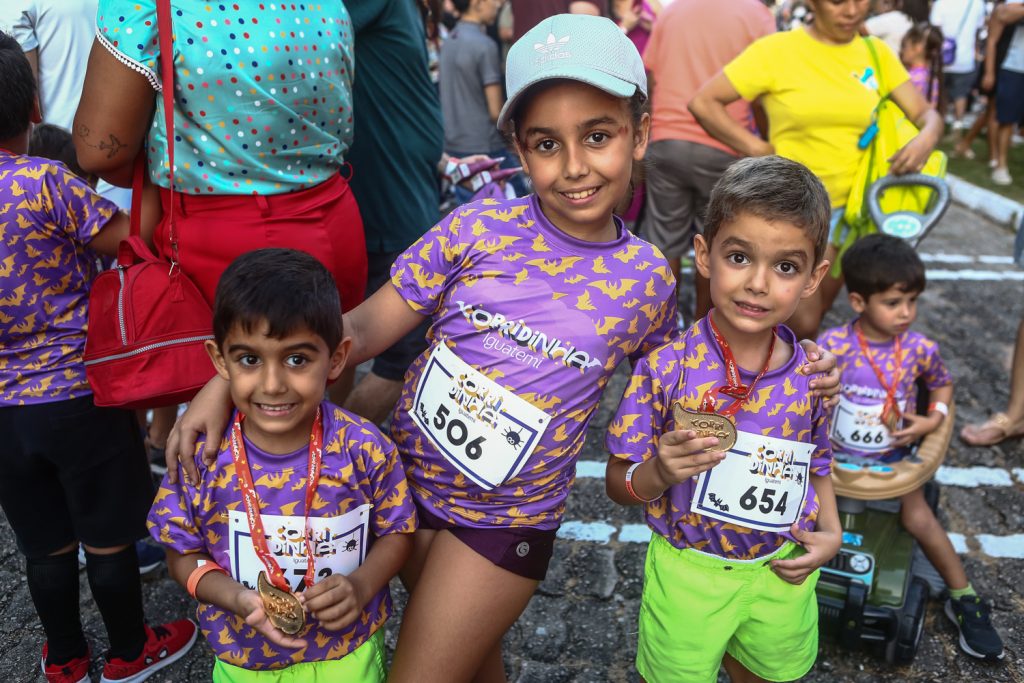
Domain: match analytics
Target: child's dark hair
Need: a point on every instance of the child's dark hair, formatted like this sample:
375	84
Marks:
773	189
931	36
53	142
18	86
877	262
285	288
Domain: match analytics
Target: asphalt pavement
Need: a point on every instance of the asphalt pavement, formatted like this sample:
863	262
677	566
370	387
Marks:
581	625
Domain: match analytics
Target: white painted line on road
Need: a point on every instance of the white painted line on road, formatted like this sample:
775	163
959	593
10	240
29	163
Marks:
966	477
972	477
1010	547
988	259
977	275
1002	546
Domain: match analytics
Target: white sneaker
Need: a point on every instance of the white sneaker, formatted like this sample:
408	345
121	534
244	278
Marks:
1001	176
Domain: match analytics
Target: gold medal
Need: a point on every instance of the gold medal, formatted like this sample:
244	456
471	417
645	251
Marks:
706	424
891	419
283	609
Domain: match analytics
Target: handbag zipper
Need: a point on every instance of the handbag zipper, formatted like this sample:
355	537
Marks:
120	307
149	347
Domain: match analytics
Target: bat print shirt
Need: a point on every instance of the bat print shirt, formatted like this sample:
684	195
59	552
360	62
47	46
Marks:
528	324
361	495
47	217
856	427
780	408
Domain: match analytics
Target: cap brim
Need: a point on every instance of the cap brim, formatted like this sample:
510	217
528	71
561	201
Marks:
584	74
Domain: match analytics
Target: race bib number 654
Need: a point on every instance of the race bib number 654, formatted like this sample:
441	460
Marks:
482	428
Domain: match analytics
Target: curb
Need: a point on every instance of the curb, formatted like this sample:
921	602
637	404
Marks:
995	207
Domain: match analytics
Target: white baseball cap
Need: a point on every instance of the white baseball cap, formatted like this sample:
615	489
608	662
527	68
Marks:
577	47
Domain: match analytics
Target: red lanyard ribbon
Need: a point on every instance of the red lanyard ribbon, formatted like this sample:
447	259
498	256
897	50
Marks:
891	410
252	502
735	388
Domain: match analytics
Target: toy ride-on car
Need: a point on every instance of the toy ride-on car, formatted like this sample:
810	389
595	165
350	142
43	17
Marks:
872	594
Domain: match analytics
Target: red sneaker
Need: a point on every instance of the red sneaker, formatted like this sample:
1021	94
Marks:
75	671
165	644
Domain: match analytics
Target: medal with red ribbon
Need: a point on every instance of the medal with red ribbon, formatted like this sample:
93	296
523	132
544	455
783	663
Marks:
282	607
891	414
709	420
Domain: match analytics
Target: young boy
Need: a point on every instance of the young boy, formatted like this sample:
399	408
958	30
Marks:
733	559
303	495
72	472
881	361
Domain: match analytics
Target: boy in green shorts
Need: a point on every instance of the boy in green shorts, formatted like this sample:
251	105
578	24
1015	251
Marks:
720	439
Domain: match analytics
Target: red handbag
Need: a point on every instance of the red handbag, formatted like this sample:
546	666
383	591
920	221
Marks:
148	321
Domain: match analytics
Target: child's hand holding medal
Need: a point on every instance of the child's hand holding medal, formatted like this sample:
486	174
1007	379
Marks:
683	453
252	608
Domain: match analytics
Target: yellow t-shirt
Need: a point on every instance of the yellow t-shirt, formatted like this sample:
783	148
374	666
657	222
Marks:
818	98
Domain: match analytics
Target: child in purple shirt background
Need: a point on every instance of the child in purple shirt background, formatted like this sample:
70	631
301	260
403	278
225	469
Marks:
278	340
738	536
881	362
72	473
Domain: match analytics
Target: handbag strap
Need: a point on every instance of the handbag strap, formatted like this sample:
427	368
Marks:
963	19
164	31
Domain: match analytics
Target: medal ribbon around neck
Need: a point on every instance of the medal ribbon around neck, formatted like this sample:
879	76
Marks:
735	388
251	501
890	411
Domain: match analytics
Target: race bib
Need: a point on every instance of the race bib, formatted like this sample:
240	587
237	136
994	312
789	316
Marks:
760	484
857	427
339	545
483	429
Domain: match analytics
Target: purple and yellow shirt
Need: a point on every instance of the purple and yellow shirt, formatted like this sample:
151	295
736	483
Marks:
781	408
47	218
855	429
361	495
528	326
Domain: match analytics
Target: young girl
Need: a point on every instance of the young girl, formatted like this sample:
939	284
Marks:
534	302
921	53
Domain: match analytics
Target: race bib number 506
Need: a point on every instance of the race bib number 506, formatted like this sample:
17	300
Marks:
483	429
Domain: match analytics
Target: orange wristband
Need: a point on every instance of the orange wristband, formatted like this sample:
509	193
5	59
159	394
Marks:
202	569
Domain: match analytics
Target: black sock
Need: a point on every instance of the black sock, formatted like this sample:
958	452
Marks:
114	580
53	584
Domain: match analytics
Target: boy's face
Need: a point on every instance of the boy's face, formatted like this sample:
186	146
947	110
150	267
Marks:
886	314
277	383
759	271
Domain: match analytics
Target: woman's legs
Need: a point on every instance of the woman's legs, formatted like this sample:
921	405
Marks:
460	607
53	584
1011	423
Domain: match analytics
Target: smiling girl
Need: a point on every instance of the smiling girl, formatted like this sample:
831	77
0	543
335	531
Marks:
534	302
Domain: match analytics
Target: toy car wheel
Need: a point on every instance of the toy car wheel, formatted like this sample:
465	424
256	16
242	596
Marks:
911	626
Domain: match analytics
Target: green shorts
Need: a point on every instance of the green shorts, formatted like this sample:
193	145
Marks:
364	665
696	607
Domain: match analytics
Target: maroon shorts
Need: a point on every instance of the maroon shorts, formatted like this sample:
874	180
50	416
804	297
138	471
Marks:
521	550
214	230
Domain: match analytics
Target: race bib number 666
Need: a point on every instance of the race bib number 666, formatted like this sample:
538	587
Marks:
482	428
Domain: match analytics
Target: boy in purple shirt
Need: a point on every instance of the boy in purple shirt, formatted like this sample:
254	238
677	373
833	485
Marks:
719	437
303	495
72	473
881	362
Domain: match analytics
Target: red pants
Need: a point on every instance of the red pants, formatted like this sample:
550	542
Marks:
213	230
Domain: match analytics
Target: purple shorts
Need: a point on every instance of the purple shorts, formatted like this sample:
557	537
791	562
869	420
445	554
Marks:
524	551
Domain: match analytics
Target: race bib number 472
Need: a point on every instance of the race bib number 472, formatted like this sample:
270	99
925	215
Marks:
482	428
338	543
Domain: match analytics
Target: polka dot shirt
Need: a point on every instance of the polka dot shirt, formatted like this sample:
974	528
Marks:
263	91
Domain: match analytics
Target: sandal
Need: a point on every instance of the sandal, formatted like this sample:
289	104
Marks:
999	428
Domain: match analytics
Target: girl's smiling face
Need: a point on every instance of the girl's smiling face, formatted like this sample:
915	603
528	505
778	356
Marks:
578	145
